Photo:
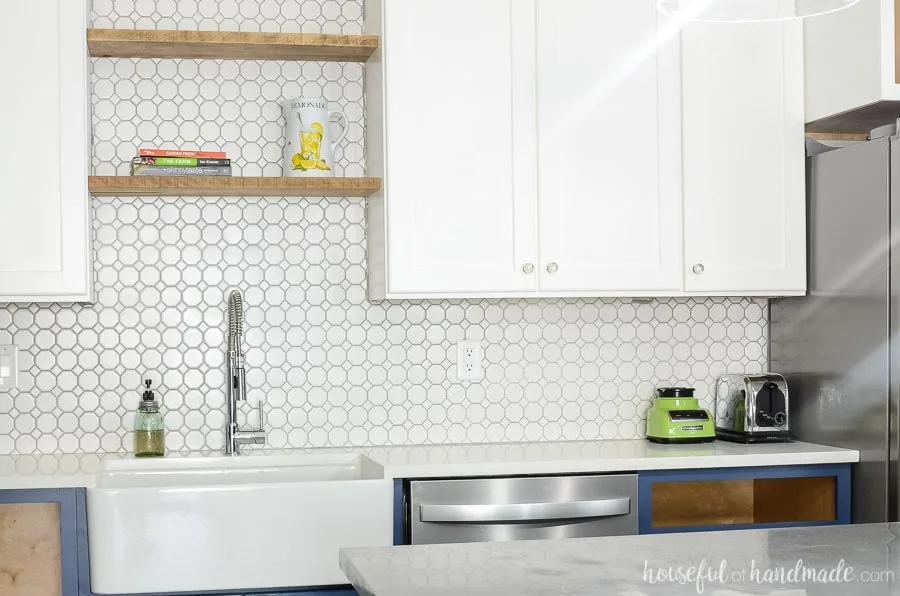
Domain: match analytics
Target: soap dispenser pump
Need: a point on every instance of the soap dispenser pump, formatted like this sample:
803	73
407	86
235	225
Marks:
149	429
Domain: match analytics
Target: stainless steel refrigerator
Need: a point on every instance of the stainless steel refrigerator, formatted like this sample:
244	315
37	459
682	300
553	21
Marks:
839	347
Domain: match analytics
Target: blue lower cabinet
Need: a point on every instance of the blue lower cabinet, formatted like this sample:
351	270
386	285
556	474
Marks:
743	498
400	521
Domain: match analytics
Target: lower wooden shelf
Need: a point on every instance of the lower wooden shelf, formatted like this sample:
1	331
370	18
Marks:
221	186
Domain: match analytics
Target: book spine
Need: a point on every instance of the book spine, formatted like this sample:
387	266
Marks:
179	153
181	161
142	170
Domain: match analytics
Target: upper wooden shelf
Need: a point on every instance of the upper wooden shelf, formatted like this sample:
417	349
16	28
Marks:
223	186
858	122
838	136
230	45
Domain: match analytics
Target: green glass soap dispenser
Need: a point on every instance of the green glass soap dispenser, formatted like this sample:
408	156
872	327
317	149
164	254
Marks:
149	429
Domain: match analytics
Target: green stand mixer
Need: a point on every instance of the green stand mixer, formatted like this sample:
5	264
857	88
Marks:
676	418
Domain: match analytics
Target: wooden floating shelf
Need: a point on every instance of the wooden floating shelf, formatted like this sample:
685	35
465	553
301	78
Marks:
222	186
858	122
838	136
230	45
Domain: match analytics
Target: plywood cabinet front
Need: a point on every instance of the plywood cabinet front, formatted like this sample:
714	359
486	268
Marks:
743	501
30	550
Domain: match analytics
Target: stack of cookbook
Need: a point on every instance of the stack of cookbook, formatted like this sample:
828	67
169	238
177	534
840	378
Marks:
177	162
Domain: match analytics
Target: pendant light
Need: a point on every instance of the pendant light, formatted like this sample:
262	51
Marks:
749	11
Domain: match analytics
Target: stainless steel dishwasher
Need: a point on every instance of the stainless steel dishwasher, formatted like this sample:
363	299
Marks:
504	509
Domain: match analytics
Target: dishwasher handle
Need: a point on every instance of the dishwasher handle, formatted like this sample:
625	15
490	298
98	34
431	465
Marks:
524	512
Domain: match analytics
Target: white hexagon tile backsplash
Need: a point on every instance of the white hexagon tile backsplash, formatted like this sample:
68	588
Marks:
334	369
219	105
285	16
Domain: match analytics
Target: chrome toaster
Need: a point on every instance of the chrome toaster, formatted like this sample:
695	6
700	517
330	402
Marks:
753	408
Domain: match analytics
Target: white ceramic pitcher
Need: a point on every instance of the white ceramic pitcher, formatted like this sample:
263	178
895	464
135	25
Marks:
309	147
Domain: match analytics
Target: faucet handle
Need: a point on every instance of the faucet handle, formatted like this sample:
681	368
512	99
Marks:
261	412
253	436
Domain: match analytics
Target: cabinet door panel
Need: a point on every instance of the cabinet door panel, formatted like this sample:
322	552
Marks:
458	87
744	170
609	146
743	498
44	230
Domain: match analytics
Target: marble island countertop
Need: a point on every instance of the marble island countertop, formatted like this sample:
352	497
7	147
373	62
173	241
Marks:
436	461
835	560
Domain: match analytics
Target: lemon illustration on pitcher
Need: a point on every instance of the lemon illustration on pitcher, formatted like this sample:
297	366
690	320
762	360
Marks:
310	156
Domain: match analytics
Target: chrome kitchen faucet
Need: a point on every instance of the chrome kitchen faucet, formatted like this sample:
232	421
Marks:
237	385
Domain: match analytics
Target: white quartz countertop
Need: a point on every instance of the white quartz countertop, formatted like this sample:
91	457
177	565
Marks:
841	560
445	461
595	456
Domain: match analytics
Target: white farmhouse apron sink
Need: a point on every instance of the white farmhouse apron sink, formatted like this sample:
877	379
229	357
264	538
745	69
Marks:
219	523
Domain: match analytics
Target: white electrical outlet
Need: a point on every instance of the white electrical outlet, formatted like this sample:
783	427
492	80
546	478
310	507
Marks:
468	361
9	367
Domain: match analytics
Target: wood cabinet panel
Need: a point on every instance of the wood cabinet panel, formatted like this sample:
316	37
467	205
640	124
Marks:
794	500
30	550
715	502
748	501
743	498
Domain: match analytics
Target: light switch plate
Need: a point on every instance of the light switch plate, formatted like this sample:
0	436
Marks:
9	368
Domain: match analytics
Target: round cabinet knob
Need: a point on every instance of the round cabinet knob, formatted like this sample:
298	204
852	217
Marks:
552	268
528	268
699	269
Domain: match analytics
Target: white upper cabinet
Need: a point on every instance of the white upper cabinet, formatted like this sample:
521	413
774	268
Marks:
852	68
744	159
44	143
455	218
609	142
582	148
